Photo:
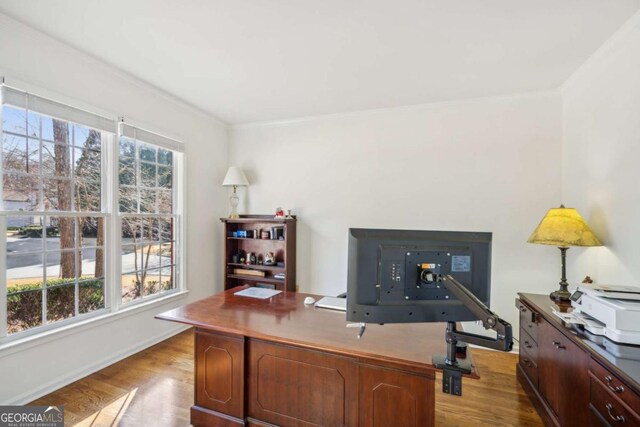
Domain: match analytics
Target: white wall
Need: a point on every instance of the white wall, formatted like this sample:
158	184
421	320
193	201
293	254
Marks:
69	75
479	165
601	172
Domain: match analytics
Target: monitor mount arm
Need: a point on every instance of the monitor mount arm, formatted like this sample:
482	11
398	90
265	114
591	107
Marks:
452	369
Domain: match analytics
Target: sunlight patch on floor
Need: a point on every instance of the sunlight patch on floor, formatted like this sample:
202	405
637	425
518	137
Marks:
111	414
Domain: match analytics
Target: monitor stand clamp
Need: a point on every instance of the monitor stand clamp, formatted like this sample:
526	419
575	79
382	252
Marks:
452	369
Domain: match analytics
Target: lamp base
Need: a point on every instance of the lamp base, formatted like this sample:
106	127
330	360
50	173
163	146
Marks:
560	295
233	201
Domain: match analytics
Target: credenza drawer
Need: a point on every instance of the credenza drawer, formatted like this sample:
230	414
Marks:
529	367
611	410
613	383
529	345
528	320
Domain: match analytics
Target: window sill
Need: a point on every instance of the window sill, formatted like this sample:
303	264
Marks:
25	343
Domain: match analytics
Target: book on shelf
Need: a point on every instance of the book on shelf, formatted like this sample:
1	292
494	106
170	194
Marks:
246	272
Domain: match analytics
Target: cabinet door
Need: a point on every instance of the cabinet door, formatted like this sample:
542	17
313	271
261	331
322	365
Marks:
573	389
548	366
394	398
563	379
220	373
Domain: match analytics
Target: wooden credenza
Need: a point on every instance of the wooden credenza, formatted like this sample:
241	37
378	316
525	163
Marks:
571	380
279	362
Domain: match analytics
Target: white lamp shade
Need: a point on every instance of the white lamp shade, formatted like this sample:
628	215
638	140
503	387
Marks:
236	177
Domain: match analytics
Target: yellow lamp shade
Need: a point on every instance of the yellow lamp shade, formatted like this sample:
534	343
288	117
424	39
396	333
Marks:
564	227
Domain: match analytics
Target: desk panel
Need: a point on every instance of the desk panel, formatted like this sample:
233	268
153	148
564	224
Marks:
297	387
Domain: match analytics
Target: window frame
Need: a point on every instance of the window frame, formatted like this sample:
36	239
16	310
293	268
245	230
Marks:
112	290
178	186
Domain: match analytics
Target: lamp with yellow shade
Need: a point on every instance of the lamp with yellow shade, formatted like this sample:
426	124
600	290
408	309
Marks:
563	227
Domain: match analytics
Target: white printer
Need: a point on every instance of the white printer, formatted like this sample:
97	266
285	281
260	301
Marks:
615	309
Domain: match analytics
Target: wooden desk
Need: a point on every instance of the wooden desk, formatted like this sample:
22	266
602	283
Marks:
277	361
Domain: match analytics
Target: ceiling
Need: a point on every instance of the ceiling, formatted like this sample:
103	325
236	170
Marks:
255	60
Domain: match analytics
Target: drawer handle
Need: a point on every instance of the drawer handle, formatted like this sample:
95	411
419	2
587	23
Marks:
616	389
527	344
558	346
527	362
523	308
616	418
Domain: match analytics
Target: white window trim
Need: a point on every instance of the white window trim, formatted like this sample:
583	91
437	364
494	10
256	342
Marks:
114	308
20	343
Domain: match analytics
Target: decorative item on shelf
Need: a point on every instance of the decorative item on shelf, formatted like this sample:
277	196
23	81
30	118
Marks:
235	178
288	214
563	227
260	260
279	213
252	259
264	234
269	258
279	276
248	257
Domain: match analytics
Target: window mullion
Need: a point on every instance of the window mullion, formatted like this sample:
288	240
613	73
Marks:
3	242
114	264
3	277
44	288
77	259
2	169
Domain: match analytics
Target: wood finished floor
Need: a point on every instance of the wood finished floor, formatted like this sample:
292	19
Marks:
155	388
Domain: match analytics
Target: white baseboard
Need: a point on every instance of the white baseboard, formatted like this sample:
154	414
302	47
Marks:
30	396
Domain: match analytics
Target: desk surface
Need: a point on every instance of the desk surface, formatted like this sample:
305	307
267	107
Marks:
285	319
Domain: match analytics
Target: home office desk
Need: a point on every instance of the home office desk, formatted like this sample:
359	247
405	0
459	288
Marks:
277	361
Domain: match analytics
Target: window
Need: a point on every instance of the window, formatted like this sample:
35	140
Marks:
148	213
62	224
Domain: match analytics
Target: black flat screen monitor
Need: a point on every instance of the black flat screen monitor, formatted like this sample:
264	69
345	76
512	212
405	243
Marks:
393	275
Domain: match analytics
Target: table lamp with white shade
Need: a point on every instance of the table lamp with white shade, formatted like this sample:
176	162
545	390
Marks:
235	178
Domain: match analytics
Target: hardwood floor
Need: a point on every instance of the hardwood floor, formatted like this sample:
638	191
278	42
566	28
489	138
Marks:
155	388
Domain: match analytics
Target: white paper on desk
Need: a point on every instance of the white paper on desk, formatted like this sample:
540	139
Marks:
260	293
570	318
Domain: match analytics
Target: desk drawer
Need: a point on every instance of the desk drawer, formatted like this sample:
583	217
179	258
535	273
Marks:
529	345
610	409
528	320
529	367
613	383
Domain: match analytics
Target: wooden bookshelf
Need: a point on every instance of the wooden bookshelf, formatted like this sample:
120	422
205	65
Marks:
282	243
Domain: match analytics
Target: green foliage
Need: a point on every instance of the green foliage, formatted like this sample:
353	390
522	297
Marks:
36	231
24	302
